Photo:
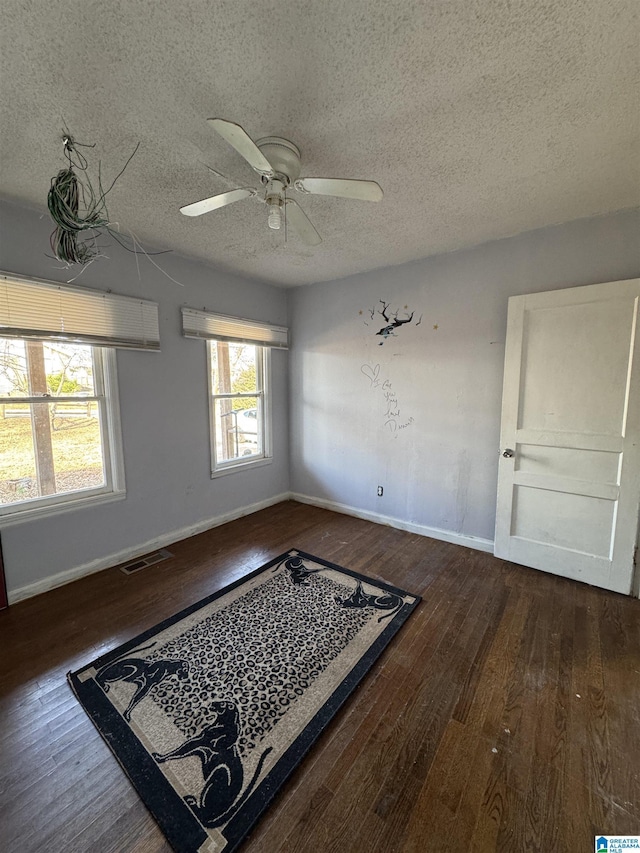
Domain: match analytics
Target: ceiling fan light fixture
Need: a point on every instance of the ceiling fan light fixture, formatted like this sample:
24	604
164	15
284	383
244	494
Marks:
274	200
275	217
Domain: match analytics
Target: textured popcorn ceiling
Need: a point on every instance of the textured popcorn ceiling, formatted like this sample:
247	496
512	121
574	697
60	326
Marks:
479	118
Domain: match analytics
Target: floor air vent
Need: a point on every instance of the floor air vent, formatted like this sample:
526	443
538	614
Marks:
148	560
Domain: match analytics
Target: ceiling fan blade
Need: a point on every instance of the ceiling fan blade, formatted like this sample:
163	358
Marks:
342	188
244	145
301	224
216	201
225	178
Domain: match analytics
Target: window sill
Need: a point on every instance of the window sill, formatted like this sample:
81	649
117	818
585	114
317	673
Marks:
18	516
241	466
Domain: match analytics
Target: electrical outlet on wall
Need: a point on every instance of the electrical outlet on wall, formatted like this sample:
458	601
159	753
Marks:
380	490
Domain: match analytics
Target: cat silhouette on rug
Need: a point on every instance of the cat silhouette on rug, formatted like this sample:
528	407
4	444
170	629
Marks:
216	747
145	674
360	598
298	572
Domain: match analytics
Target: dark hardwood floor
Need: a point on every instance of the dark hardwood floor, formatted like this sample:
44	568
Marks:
505	715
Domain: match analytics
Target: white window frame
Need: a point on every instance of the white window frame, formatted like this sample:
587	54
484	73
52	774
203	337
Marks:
263	381
106	396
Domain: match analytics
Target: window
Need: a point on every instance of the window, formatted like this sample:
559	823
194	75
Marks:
239	358
60	443
59	430
239	405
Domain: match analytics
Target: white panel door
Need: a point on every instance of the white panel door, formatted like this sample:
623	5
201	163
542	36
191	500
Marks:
569	476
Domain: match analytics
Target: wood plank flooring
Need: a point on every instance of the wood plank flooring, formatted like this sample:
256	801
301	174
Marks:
505	716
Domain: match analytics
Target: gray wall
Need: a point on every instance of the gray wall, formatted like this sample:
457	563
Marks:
438	466
163	400
440	470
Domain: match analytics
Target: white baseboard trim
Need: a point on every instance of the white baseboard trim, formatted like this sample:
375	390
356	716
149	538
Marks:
172	536
421	529
131	553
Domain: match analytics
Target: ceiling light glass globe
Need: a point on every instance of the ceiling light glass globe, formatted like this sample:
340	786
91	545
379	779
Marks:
275	217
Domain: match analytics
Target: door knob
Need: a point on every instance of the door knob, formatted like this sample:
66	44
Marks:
508	453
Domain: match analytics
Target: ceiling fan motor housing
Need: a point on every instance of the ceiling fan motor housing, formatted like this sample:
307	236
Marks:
283	156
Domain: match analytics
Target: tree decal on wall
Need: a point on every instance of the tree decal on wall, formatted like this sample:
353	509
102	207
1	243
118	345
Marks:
393	321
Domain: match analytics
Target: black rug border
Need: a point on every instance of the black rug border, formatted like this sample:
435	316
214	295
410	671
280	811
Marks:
180	826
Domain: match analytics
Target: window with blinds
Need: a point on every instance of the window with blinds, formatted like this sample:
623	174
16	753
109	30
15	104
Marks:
239	353
60	443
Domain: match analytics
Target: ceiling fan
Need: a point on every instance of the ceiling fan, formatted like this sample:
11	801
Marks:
277	161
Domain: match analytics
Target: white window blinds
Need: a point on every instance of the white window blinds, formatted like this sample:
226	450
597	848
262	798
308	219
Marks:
32	308
201	324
